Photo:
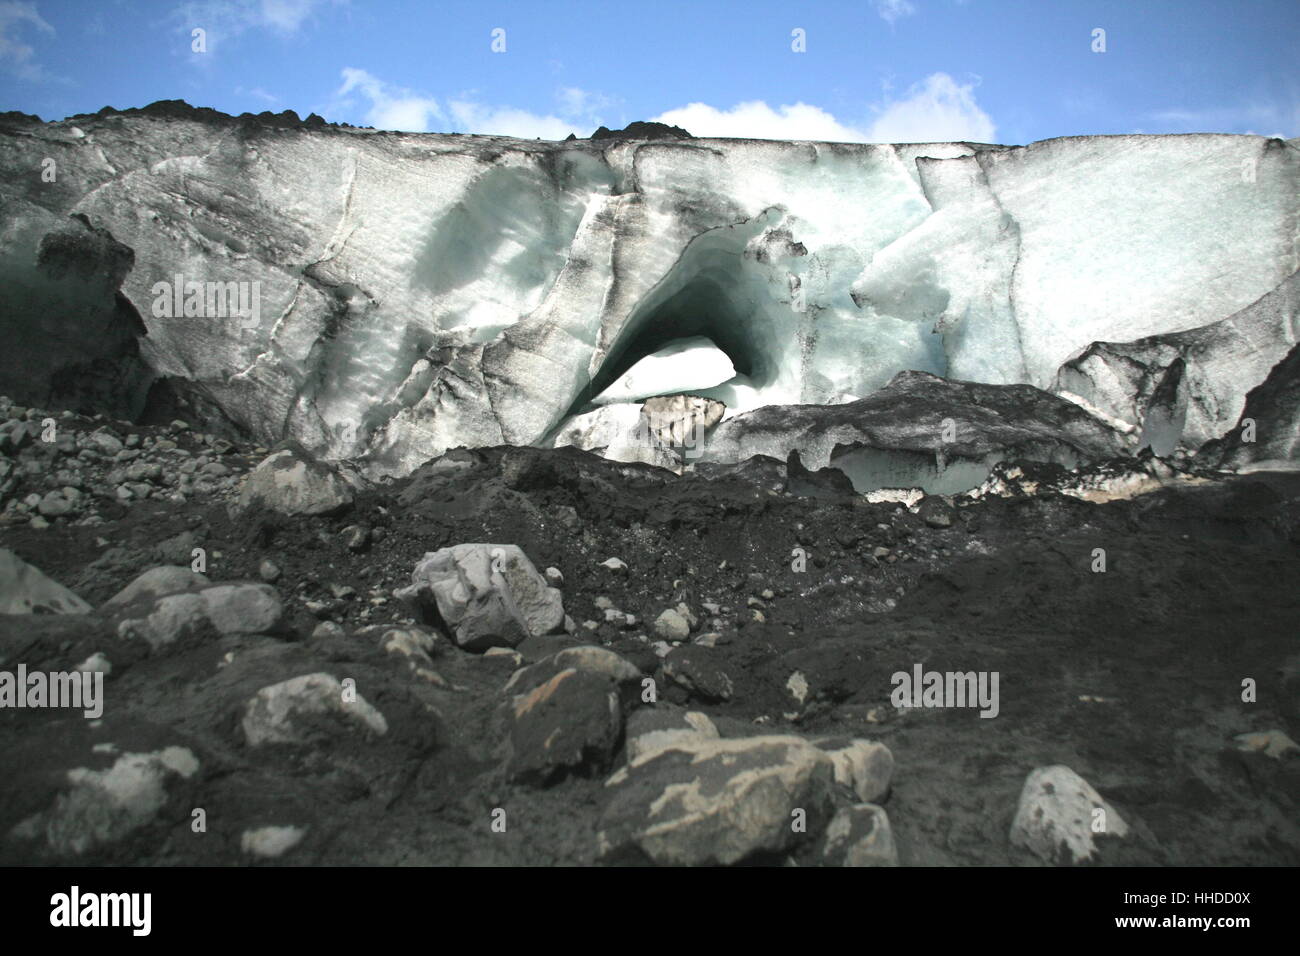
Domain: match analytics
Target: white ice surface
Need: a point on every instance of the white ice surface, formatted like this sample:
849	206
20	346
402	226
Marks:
421	291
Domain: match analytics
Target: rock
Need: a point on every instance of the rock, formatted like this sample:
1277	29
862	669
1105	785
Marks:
268	571
864	766
290	711
487	594
707	802
935	512
651	729
898	435
292	482
355	538
587	659
640	129
616	432
243	608
571	722
169	620
270	843
859	836
104	806
681	421
672	626
96	663
54	505
1271	743
698	670
614	565
554	577
1056	814
157	583
106	442
25	590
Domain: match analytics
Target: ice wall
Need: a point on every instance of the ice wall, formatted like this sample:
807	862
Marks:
423	291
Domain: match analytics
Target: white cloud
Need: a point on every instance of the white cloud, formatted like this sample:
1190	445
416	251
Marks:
286	15
757	120
891	10
17	57
391	107
576	111
470	117
938	109
223	20
576	104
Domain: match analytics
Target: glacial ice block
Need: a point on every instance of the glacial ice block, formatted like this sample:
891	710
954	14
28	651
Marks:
421	291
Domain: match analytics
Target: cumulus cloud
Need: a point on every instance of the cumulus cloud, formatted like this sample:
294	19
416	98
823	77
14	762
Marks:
17	57
387	106
471	117
577	111
756	120
938	109
391	107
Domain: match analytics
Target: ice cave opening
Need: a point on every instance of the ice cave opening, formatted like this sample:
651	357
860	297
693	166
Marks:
717	307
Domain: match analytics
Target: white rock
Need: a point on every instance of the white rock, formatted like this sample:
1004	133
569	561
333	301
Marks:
670	625
103	806
269	843
294	484
270	716
1060	815
488	594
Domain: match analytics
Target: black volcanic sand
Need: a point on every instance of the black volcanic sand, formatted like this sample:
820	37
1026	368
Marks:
1199	593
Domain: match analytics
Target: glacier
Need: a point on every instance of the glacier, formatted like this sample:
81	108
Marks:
422	292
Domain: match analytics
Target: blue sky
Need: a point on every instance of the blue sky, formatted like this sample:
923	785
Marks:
1008	71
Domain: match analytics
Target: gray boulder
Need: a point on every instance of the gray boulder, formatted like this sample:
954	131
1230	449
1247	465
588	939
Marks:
1060	816
488	595
859	836
704	801
25	590
157	583
292	482
291	711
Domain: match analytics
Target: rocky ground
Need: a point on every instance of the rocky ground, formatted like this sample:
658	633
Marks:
639	666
